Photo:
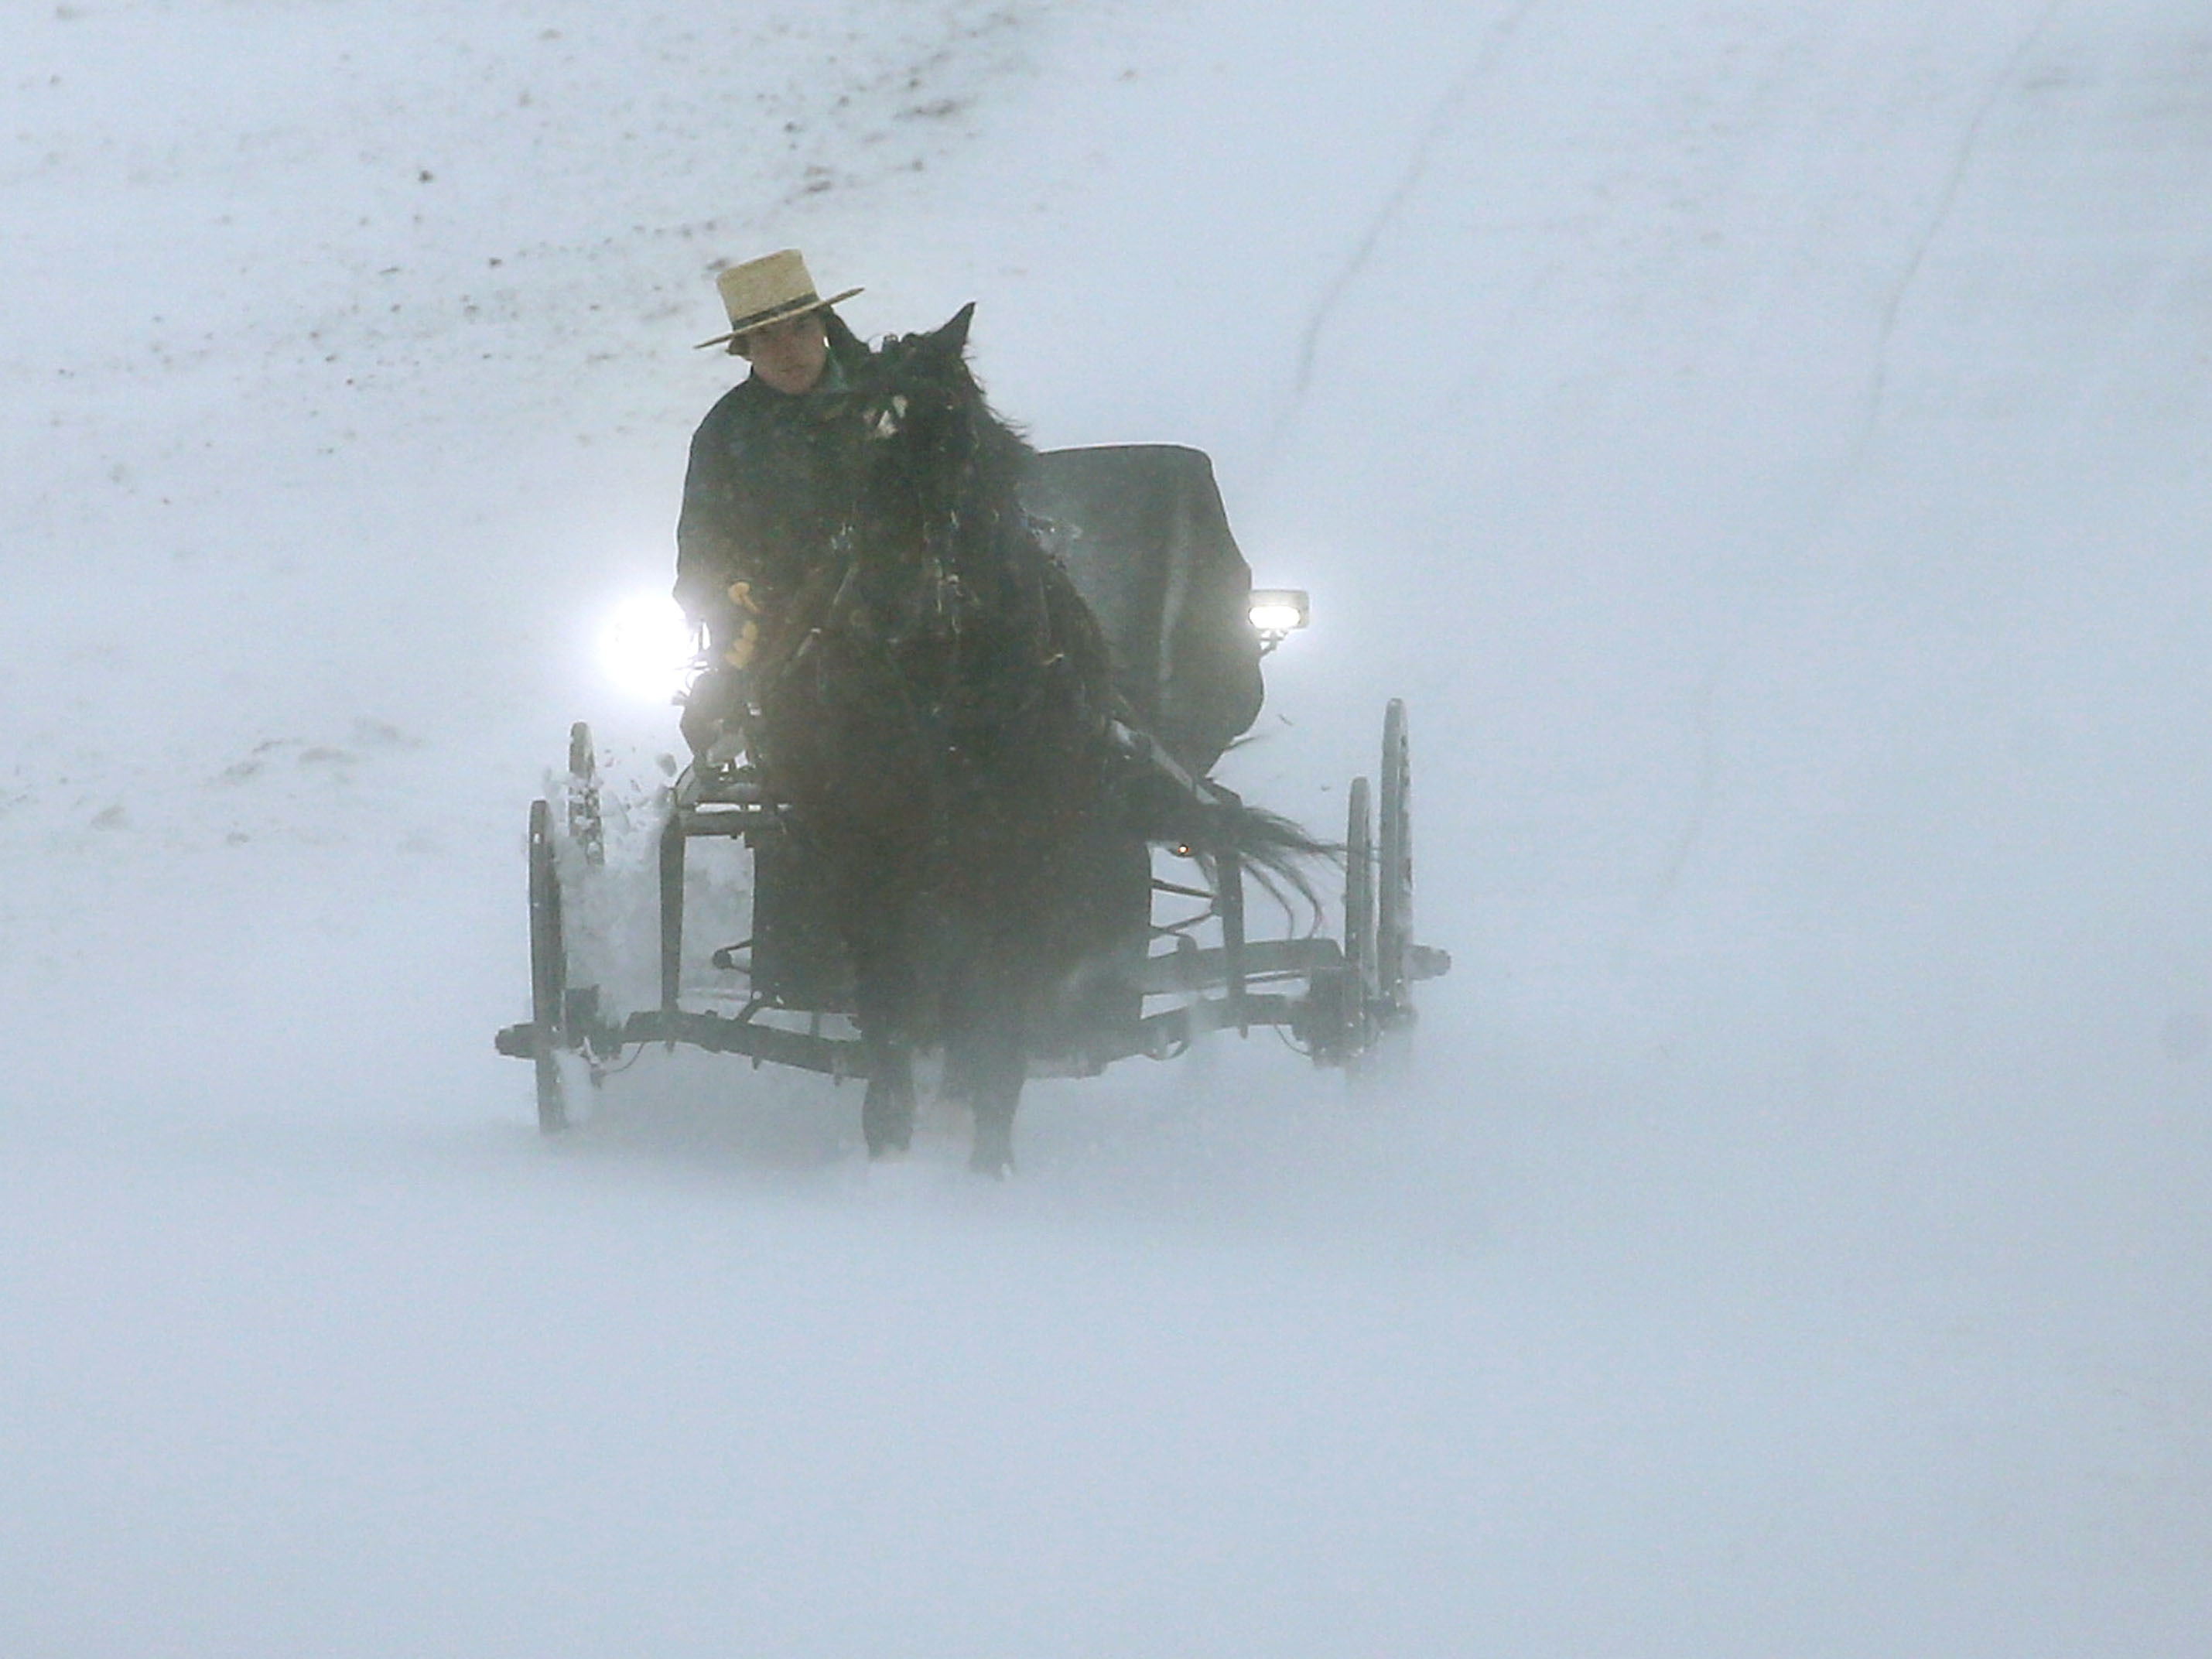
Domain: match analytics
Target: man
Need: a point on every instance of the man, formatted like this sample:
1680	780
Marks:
762	470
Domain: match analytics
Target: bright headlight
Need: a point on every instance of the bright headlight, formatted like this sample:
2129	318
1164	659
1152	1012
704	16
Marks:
1276	612
646	648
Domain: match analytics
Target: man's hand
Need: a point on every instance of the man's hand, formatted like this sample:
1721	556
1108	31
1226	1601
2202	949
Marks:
717	715
744	633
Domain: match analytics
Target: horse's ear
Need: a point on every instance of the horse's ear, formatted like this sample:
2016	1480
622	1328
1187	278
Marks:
953	337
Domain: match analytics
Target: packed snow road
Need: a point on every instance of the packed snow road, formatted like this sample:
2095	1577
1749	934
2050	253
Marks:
1766	445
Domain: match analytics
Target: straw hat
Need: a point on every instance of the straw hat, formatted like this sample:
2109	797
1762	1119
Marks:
767	290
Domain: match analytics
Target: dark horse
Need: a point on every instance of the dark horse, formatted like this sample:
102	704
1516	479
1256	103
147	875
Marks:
936	710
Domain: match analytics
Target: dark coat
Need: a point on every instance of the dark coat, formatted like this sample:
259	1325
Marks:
765	484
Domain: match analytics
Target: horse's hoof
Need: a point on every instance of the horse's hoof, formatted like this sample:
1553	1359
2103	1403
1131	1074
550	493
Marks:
993	1166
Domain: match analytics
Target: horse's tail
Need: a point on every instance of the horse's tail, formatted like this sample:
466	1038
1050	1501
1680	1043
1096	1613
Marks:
1161	802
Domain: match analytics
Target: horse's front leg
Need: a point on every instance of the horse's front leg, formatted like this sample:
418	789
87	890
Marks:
989	1043
996	1102
885	994
887	1110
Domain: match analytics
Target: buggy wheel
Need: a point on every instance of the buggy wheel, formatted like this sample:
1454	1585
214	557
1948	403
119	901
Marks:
1394	905
586	824
549	971
1358	920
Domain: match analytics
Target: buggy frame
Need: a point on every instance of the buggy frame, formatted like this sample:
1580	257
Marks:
1338	998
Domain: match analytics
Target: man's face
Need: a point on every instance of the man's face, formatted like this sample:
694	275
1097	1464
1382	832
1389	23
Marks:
789	355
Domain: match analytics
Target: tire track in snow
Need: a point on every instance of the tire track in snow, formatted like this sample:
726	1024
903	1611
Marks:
1706	789
1877	394
1440	119
1893	307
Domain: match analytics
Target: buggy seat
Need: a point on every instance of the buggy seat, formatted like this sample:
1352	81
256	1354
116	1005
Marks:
1142	531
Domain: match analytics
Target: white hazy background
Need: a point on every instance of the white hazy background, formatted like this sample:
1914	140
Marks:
1766	444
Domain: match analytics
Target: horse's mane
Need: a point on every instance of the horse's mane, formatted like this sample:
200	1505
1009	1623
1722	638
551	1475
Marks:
940	473
932	369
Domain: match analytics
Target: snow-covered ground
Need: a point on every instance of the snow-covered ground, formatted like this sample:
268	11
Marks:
1769	446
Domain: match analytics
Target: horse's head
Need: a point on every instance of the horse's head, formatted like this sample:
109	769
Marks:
938	476
936	528
917	390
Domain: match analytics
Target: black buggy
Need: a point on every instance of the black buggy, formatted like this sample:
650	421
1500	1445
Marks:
1141	530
